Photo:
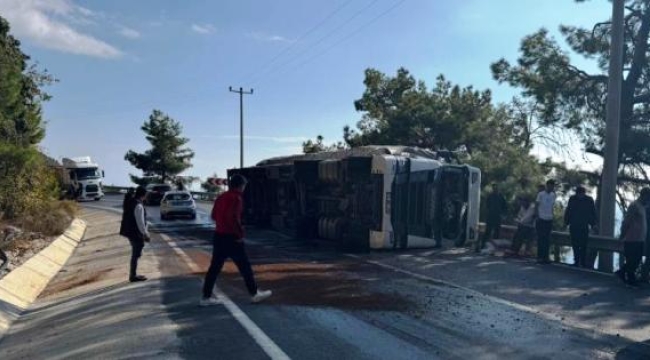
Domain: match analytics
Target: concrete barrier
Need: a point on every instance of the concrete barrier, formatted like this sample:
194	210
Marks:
22	286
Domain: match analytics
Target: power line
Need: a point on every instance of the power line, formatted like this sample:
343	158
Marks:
321	39
343	39
296	41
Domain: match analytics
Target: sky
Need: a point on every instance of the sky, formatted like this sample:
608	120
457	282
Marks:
118	60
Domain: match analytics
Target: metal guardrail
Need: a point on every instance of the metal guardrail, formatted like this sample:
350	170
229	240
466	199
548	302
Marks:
198	195
563	238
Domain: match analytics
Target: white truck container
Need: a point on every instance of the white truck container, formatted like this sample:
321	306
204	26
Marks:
86	177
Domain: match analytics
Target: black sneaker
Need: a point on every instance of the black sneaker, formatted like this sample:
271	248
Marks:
138	278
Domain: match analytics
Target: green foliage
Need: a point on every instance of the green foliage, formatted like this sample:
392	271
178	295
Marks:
28	186
317	145
26	183
401	110
20	93
575	99
168	155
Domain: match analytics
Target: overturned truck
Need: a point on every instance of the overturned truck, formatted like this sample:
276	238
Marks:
373	197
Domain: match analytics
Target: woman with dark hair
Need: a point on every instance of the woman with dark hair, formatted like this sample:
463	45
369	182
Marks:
134	227
127	197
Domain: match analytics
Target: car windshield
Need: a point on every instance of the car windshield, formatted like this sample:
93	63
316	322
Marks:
87	173
178	197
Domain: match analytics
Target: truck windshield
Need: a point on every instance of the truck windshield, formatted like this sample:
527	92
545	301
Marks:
87	173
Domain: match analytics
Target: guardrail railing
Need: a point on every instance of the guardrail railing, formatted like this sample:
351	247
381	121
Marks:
198	195
563	239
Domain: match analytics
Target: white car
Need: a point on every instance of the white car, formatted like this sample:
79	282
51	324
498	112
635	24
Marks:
177	203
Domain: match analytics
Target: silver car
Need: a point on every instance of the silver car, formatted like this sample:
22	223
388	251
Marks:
177	203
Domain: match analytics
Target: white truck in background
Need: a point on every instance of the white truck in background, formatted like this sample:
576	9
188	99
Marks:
85	178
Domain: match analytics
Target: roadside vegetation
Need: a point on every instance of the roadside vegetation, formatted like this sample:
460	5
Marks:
29	189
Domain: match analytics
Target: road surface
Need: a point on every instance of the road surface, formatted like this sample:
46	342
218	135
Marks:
326	305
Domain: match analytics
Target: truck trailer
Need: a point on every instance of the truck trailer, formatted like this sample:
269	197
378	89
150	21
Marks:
372	197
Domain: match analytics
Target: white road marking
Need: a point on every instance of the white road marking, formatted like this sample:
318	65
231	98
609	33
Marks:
270	348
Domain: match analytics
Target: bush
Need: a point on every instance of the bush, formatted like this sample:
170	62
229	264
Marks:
49	218
29	192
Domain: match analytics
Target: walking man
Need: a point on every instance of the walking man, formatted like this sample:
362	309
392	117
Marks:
134	227
229	243
633	232
496	207
580	215
544	206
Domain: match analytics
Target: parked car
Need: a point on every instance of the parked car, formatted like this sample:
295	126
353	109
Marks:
155	193
177	203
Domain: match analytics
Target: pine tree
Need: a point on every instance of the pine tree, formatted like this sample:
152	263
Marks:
168	155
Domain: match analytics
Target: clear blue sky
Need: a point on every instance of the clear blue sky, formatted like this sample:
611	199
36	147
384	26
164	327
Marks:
117	60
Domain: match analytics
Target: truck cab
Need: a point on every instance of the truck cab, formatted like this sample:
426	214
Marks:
85	178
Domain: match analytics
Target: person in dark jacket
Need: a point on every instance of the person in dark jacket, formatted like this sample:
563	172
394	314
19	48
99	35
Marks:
496	207
229	243
134	227
579	216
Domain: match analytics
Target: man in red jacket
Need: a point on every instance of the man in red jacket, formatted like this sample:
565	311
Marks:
229	243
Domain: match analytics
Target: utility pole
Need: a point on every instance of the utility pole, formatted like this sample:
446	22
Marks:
241	93
610	160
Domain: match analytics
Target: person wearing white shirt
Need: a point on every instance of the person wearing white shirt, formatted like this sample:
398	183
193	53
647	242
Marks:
544	206
525	225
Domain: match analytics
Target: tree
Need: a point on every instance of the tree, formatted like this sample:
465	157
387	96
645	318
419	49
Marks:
316	146
401	110
29	189
21	93
531	131
575	99
168	155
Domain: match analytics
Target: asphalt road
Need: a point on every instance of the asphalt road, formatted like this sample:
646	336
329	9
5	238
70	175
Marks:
325	306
